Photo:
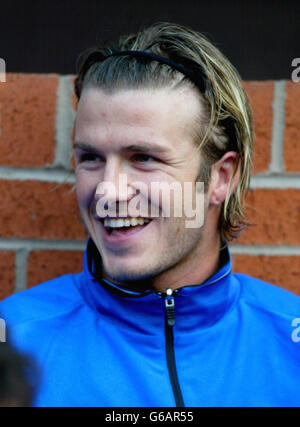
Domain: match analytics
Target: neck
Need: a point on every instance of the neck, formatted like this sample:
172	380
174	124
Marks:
191	270
202	262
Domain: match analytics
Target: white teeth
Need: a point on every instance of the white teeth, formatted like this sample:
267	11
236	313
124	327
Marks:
119	223
134	221
128	222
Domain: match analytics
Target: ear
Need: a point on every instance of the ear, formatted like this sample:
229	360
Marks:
225	175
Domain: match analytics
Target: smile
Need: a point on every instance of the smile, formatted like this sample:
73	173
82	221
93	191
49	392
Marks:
126	222
123	227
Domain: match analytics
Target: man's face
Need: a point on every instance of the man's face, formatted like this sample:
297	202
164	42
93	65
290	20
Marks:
145	136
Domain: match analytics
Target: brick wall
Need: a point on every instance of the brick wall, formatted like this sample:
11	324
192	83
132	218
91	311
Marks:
41	233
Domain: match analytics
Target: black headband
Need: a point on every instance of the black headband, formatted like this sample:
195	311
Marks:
197	78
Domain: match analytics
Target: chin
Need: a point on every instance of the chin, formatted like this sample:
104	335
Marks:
127	274
126	277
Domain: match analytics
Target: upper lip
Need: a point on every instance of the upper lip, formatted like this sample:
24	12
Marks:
126	217
120	217
98	218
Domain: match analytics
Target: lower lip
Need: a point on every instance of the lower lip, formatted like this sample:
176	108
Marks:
118	237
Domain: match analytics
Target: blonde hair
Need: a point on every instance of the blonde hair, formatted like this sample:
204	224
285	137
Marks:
226	124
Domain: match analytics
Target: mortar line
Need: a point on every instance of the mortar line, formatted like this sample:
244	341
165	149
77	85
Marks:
41	244
275	182
60	176
80	245
21	258
268	250
55	174
278	126
64	121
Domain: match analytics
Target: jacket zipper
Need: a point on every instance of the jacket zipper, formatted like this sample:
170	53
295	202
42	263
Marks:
170	354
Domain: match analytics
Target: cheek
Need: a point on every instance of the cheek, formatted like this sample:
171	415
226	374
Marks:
85	188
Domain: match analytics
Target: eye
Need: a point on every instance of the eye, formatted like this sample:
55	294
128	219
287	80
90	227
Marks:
88	157
143	158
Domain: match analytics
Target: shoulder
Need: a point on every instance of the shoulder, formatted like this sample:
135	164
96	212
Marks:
267	297
43	301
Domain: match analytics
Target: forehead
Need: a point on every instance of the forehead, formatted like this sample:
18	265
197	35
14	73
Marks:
167	114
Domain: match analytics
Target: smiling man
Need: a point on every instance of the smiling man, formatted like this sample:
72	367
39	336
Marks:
146	135
157	318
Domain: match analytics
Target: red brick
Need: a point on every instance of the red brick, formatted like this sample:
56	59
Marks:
73	163
261	98
292	128
279	270
48	264
34	209
7	273
275	215
27	106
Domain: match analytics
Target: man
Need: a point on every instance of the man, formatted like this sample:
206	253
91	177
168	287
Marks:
157	318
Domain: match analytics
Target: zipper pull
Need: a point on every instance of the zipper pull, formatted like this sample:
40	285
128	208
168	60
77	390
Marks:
170	307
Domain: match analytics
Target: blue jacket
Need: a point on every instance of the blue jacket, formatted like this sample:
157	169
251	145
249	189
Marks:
230	341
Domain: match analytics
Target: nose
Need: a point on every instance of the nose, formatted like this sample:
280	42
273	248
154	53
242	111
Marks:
113	189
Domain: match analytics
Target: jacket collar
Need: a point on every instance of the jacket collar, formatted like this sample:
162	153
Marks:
199	305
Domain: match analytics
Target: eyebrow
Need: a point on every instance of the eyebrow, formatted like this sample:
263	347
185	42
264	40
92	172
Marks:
143	147
84	146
